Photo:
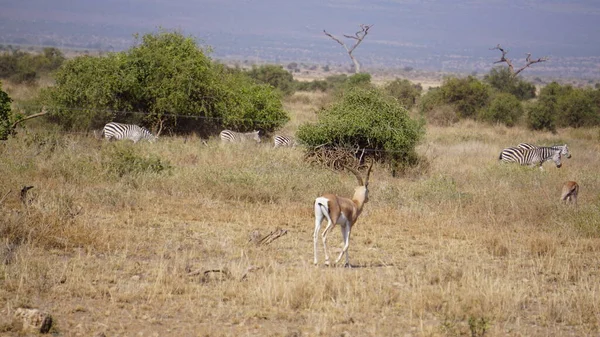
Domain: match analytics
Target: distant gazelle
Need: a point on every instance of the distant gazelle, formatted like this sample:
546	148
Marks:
569	192
342	211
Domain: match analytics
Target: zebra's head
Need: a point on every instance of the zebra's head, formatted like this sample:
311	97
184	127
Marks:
255	136
565	151
556	158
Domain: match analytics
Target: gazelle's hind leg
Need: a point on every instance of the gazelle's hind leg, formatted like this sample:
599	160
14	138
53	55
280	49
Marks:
346	241
330	225
318	220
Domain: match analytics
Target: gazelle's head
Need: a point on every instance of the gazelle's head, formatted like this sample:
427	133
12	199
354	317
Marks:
362	189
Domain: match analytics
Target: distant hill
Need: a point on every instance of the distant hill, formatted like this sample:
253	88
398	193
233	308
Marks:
431	35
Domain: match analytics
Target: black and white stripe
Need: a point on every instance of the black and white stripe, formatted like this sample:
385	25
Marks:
132	132
285	141
531	157
238	137
564	149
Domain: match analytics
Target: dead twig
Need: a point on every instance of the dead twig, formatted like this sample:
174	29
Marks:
4	197
272	236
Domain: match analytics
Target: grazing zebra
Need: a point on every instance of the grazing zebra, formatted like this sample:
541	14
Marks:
531	157
280	140
132	132
238	137
564	149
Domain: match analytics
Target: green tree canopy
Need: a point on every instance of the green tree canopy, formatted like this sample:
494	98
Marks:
365	117
501	79
165	77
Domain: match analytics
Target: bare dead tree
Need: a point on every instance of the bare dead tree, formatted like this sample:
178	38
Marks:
511	68
358	37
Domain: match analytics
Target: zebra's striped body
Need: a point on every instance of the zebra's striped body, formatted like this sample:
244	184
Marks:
281	140
564	149
132	132
531	157
238	137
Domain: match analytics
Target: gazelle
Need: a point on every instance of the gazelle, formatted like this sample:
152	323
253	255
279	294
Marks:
569	192
342	211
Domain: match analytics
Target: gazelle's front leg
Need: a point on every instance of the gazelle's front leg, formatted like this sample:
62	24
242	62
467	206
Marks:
346	241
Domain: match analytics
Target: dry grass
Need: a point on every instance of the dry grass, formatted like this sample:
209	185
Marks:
469	248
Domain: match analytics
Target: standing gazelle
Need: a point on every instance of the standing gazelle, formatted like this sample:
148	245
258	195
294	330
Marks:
342	211
569	192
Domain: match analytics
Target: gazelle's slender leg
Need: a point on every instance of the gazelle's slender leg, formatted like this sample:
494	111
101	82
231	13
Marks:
318	220
325	232
346	237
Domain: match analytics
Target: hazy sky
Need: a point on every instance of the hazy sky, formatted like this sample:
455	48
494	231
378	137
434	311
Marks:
543	27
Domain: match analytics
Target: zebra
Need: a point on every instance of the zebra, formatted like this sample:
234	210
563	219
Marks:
281	140
239	137
132	132
564	149
531	157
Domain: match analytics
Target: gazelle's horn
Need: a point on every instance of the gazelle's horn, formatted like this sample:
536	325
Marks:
368	173
357	174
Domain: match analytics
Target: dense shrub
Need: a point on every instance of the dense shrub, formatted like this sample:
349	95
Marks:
501	79
22	67
5	114
164	77
468	95
274	75
404	91
123	159
366	118
504	108
563	106
576	108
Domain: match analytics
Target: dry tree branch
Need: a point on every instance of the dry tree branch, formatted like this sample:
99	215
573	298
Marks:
508	61
359	37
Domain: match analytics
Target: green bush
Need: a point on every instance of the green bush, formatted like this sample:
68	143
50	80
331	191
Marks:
504	108
541	116
22	67
5	114
468	95
366	118
120	159
576	108
404	91
564	106
164	77
274	75
501	79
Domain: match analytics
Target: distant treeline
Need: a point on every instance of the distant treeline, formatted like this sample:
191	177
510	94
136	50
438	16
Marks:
23	67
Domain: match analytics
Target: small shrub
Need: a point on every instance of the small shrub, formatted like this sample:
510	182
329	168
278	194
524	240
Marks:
122	159
404	91
468	95
442	115
504	108
366	118
501	79
5	114
274	75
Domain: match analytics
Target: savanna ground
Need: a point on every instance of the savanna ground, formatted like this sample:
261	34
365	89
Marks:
460	246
